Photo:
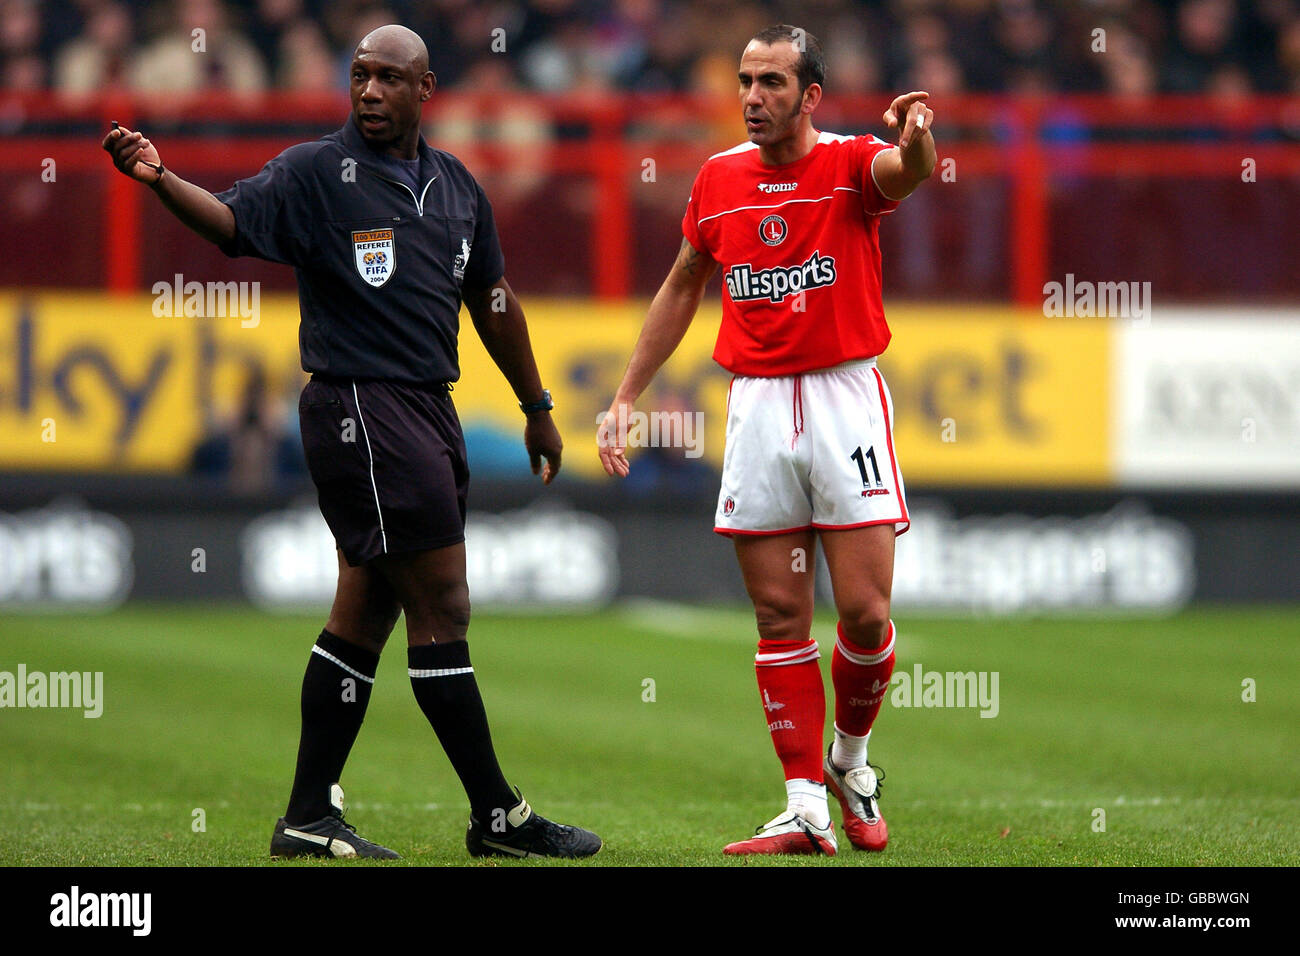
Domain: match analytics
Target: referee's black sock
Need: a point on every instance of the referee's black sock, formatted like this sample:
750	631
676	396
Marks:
447	692
335	692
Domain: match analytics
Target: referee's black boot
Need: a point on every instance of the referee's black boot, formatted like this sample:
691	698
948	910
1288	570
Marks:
329	836
525	833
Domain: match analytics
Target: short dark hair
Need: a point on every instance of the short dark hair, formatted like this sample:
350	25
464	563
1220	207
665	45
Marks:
811	65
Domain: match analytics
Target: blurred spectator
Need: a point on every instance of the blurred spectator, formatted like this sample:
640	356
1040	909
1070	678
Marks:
304	60
653	45
271	21
920	37
929	255
1204	39
1024	35
100	58
622	34
1127	68
199	50
467	129
20	36
1289	56
973	22
670	53
257	446
673	463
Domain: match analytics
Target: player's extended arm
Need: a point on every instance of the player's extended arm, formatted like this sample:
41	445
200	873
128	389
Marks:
670	315
899	171
499	319
136	157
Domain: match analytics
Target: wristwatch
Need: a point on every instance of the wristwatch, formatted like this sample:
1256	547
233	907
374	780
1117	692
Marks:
543	404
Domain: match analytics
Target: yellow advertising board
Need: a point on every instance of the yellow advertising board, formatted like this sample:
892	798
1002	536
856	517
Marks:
982	396
989	397
93	382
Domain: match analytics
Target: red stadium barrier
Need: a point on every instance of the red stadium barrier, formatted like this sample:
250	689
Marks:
1032	145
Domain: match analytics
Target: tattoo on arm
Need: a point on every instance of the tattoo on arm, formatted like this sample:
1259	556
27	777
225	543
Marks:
687	258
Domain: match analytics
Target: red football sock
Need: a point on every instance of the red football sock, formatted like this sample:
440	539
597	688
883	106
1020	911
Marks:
790	681
861	679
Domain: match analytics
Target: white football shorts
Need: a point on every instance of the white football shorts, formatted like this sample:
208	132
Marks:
814	450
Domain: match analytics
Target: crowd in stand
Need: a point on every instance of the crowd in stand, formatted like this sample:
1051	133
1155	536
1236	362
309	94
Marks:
945	46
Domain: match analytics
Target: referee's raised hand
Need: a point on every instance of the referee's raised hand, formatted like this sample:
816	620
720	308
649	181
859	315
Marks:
133	154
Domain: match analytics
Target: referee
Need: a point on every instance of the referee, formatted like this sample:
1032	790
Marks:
387	237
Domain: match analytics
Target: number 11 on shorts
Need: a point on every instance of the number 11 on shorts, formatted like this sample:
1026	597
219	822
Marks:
862	460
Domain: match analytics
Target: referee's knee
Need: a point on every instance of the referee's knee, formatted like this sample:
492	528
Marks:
442	617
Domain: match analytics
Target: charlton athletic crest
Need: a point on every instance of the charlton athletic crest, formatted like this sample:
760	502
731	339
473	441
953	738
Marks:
772	230
729	506
376	258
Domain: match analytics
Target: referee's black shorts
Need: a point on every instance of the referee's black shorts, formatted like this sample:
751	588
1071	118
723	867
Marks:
389	465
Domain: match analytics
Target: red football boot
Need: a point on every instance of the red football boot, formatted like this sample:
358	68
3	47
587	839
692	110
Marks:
857	791
787	833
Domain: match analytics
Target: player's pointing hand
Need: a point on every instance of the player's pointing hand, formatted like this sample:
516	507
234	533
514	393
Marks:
909	113
133	155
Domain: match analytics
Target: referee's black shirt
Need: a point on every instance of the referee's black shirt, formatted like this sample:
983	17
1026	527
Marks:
380	267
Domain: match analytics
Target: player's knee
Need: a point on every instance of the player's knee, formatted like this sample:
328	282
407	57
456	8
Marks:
866	623
782	620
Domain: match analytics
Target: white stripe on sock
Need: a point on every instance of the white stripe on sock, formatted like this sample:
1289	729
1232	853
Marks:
439	671
317	649
808	652
873	658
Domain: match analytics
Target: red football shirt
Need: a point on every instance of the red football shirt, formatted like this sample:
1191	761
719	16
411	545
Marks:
799	253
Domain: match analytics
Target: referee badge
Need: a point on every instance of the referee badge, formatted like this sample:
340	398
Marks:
461	260
376	258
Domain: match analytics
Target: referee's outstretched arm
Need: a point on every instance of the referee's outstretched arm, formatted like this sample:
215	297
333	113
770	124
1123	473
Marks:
193	205
499	320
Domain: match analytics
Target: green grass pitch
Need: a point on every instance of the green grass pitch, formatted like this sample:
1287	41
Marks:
1143	719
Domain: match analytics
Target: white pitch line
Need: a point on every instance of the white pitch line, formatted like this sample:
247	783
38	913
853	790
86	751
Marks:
730	625
34	807
1078	803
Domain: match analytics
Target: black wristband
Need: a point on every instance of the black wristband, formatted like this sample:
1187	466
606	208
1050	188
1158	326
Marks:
543	404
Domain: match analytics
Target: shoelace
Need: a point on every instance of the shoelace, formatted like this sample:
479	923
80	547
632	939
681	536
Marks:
344	823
